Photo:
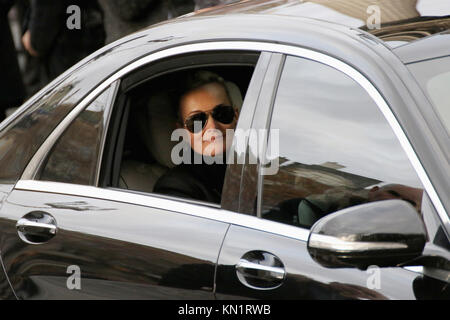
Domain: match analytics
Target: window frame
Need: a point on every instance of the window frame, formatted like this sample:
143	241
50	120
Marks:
153	70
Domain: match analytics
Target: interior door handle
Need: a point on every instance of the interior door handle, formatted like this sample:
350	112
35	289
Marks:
260	270
36	227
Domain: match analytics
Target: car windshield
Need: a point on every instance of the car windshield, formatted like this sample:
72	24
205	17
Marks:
434	77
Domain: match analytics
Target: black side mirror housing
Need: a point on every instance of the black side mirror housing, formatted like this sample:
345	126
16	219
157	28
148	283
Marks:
384	233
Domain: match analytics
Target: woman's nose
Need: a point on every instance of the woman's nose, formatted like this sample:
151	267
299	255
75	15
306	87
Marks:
211	123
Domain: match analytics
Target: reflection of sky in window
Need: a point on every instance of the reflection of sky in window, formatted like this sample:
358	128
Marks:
337	122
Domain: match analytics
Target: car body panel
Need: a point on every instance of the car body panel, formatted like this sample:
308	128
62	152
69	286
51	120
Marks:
305	279
123	251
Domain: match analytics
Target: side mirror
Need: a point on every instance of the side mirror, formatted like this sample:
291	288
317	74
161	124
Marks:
384	233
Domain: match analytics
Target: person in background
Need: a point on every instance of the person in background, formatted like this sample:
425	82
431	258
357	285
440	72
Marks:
12	90
50	36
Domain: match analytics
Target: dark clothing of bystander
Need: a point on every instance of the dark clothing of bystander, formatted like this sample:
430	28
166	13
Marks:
12	90
58	43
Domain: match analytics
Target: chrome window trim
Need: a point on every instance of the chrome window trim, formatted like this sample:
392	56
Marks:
165	203
107	116
33	166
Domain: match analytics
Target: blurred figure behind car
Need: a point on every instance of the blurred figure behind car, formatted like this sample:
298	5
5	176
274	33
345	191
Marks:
49	36
12	90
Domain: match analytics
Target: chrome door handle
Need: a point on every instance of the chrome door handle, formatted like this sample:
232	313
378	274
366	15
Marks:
24	224
264	272
260	270
36	227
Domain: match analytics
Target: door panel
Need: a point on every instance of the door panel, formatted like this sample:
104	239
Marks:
122	250
305	279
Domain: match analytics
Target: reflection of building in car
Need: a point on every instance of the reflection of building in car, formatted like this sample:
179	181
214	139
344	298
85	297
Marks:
320	190
297	180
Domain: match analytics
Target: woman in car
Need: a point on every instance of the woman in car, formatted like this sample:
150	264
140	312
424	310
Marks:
206	113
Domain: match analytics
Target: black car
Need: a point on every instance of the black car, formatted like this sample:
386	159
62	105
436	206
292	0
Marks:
344	195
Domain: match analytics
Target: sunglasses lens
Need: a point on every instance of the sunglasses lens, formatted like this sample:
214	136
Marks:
197	122
223	114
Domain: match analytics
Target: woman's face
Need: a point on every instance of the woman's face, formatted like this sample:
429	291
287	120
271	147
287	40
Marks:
211	140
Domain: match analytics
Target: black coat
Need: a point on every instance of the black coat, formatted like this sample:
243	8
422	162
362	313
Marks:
12	90
59	46
202	182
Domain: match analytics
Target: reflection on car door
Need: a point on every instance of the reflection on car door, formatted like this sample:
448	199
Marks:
120	244
326	125
264	264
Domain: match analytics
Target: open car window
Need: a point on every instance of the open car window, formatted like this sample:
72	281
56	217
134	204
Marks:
145	146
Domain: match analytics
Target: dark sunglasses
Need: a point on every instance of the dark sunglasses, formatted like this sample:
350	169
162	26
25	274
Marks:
221	113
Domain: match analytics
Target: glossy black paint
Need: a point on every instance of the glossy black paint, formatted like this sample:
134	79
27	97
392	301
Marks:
305	278
123	251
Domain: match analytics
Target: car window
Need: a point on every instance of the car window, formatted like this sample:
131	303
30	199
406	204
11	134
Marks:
333	146
21	139
159	148
74	157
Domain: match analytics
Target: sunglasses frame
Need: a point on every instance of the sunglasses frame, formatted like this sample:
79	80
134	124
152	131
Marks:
208	114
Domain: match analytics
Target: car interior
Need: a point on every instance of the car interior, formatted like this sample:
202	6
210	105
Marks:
145	116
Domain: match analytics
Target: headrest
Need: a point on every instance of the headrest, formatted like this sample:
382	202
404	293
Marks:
160	121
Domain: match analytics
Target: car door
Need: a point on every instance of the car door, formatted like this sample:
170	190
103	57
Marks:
62	240
65	237
329	147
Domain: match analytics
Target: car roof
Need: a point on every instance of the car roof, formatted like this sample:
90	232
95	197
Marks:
401	22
